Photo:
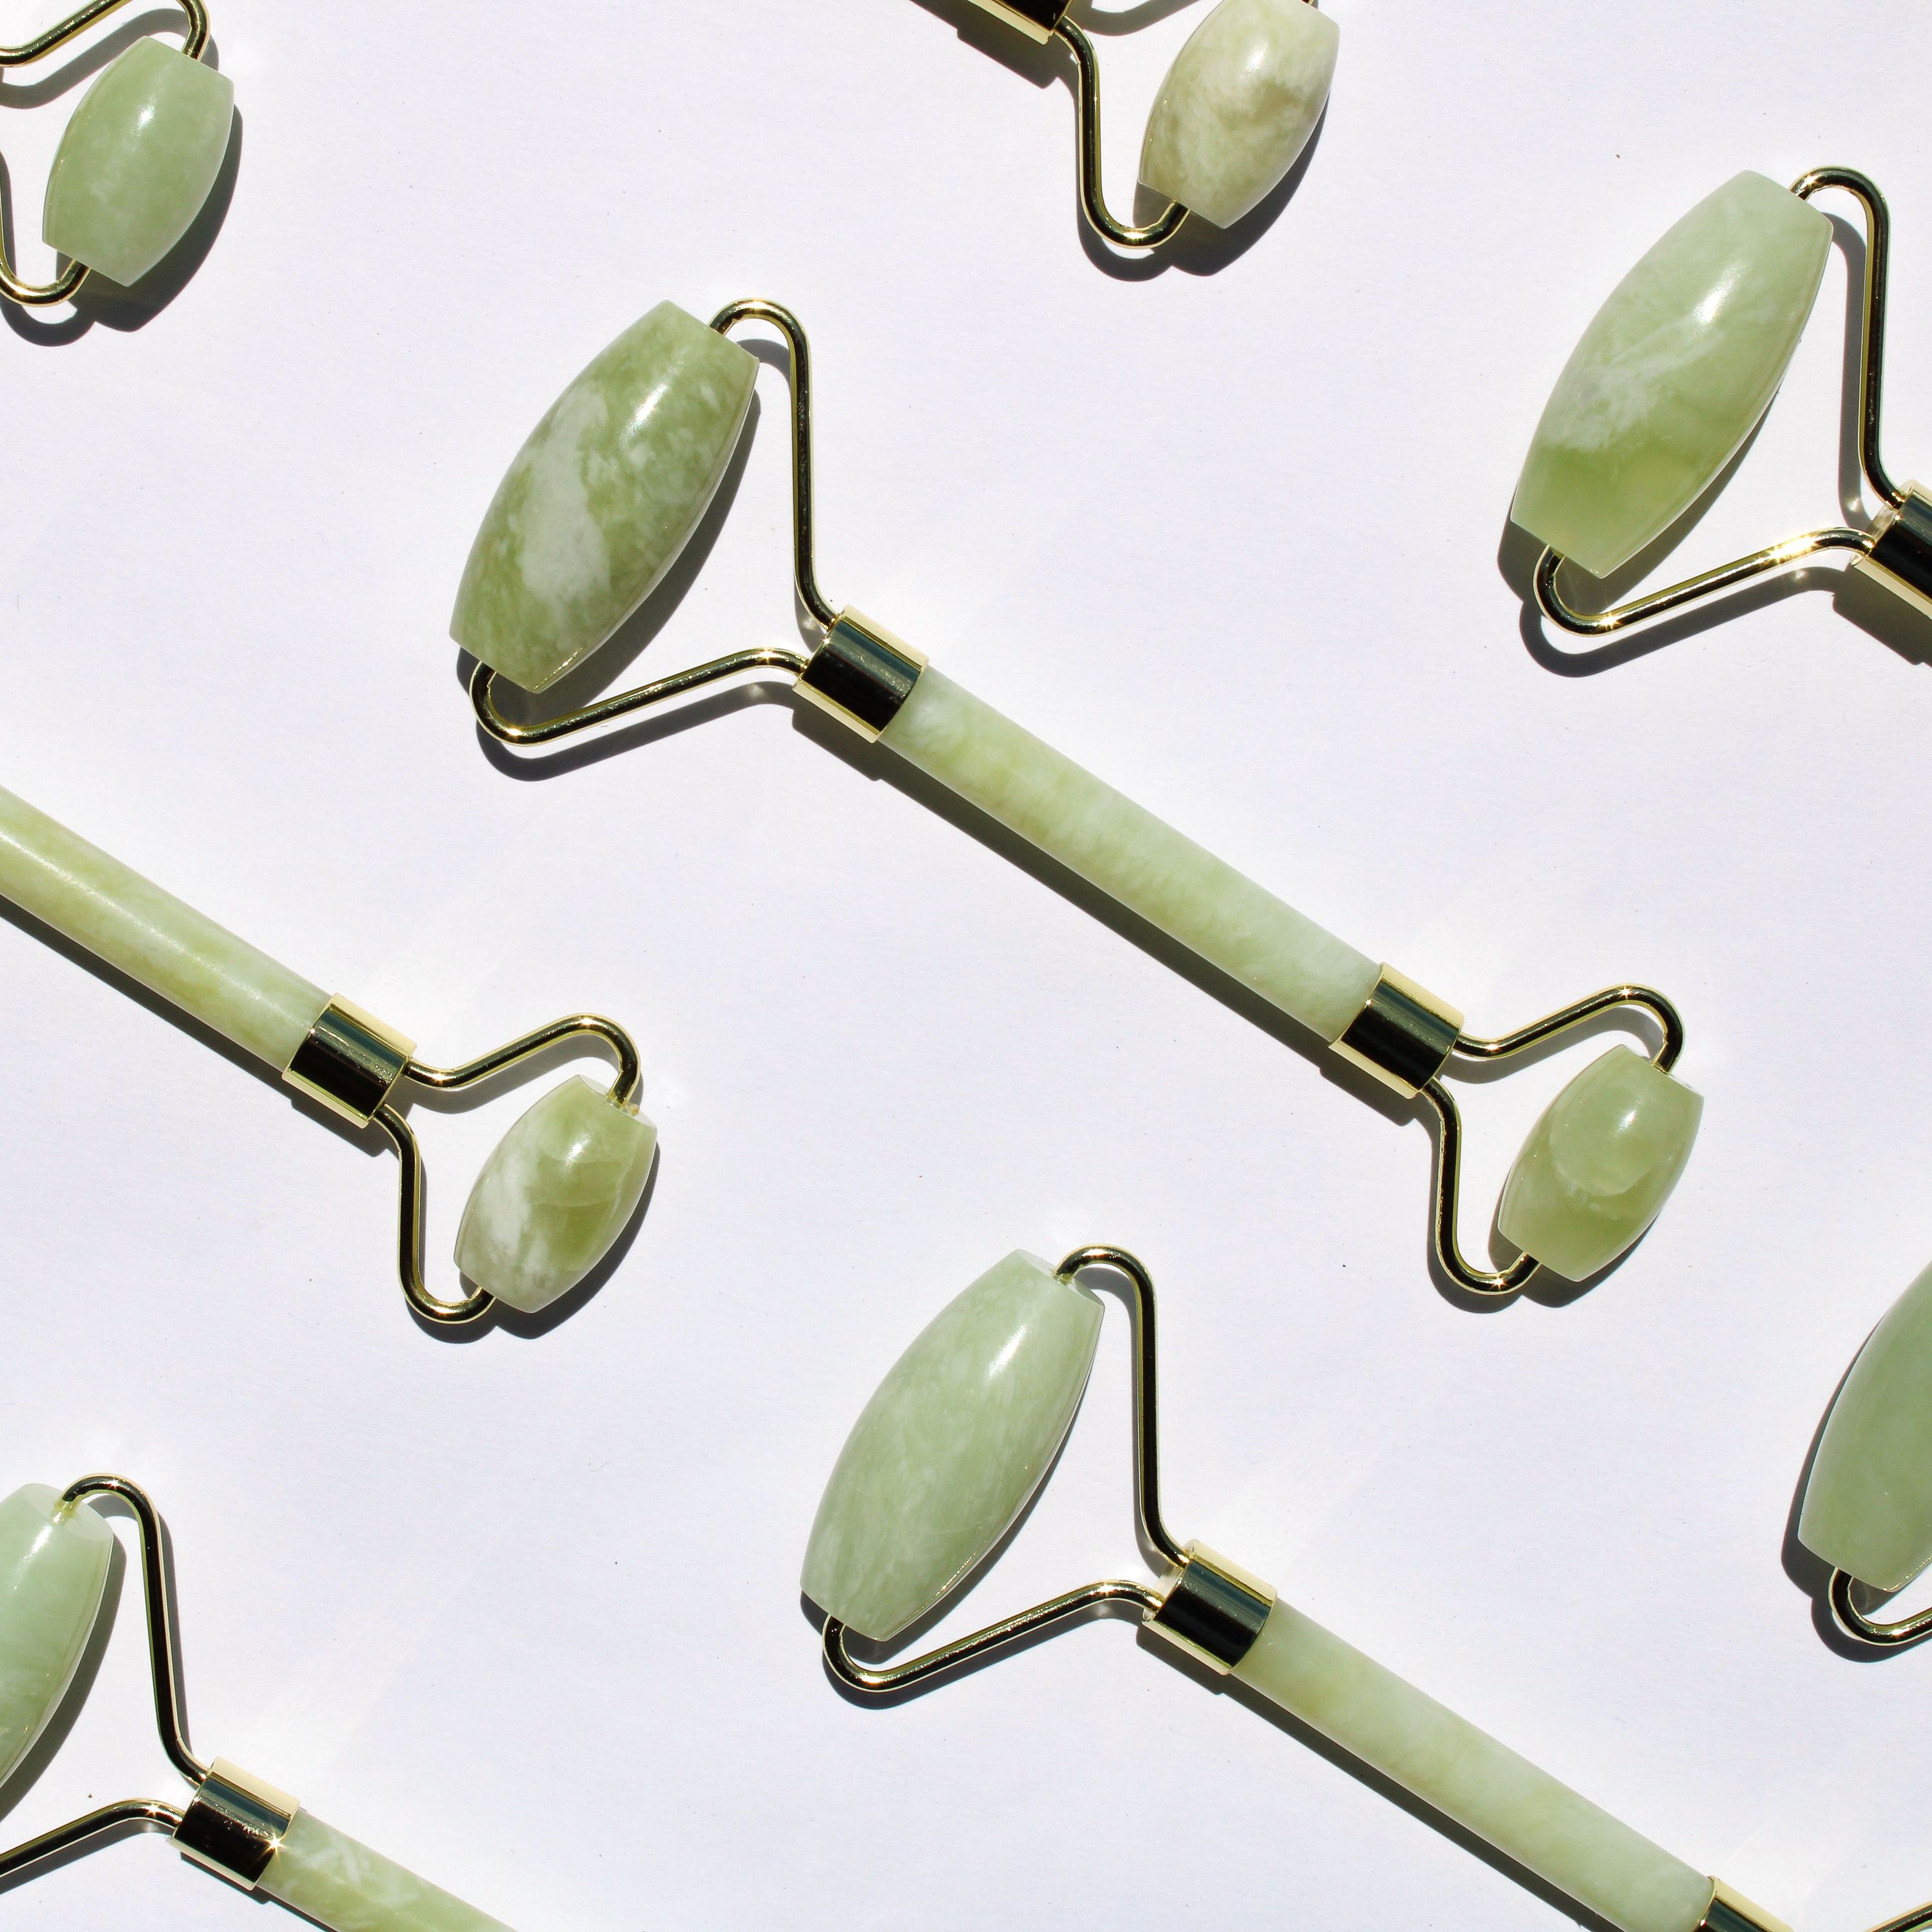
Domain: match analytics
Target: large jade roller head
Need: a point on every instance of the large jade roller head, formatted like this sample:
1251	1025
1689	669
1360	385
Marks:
138	159
945	1458
596	507
1670	379
1232	117
54	1552
1868	1508
553	1198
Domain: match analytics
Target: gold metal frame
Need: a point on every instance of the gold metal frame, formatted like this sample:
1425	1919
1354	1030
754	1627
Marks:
233	1821
1842	1593
39	294
1864	544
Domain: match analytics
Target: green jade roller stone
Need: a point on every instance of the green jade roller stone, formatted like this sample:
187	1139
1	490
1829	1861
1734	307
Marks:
1868	1502
952	1445
1599	1165
345	1886
138	159
560	1187
602	498
1238	105
53	1574
1671	375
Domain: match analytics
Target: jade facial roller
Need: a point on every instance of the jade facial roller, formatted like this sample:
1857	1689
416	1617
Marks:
1672	377
54	1556
561	1186
607	491
947	1455
144	146
1867	1509
1232	119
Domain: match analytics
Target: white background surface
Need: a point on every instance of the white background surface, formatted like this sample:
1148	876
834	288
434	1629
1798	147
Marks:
523	1612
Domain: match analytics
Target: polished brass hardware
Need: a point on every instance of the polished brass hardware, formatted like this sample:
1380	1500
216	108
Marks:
1403	1036
1731	1912
350	1061
235	1824
1901	552
861	674
1212	1608
1036	19
39	294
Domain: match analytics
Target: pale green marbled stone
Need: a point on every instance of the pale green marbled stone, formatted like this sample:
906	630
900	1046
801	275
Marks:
1868	1502
1170	881
346	1887
603	496
1238	105
1484	1786
1669	378
53	1570
98	903
953	1443
138	159
558	1189
1598	1167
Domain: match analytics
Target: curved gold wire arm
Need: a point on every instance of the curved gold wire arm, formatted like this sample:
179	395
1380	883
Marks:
41	294
1495	1282
451	1080
804	575
1093	196
164	1666
1871	371
1841	1593
891	1679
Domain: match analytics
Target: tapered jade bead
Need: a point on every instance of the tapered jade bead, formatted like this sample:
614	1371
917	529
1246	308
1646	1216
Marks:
953	1443
1598	1167
346	1887
559	1190
138	159
1868	1503
53	1570
1238	105
1670	377
600	500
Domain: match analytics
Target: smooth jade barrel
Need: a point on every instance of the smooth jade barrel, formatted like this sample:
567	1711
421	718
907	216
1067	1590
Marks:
1130	854
558	1190
53	1572
1466	1775
1673	374
150	935
344	1886
603	496
144	147
1868	1501
1601	1163
952	1445
1238	105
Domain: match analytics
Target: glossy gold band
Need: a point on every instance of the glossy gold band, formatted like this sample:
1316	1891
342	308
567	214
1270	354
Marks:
235	1823
1036	19
861	673
1731	1912
1212	1608
350	1062
1404	1034
1901	557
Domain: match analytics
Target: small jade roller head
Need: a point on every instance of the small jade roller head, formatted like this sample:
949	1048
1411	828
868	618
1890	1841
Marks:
138	159
1868	1508
54	1551
1671	378
1232	117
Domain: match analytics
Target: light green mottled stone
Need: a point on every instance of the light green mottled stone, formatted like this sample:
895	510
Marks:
1238	105
138	159
98	903
560	1188
53	1570
1868	1502
1599	1165
1168	881
1669	378
1484	1786
346	1887
603	496
953	1443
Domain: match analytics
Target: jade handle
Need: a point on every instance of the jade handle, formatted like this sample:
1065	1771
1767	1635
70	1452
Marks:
1148	867
150	935
1466	1775
328	1876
